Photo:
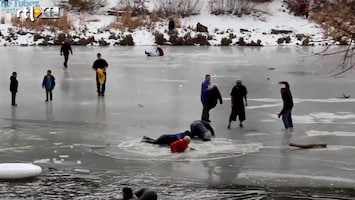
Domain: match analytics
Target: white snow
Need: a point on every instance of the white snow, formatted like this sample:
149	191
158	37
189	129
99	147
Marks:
274	16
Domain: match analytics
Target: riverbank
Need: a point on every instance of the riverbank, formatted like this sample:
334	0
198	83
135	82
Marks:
271	24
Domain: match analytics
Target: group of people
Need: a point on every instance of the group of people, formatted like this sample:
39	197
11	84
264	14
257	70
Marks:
48	84
210	94
99	66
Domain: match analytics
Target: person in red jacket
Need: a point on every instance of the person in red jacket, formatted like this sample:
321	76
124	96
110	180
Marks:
180	145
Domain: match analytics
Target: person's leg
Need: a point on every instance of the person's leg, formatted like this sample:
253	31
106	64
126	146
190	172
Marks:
66	57
284	119
103	87
98	84
148	140
13	98
290	119
241	118
205	113
164	140
50	95
47	95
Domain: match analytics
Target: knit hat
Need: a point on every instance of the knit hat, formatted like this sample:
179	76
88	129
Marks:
187	138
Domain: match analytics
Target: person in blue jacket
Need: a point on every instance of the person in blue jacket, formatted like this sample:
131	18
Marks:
48	84
166	139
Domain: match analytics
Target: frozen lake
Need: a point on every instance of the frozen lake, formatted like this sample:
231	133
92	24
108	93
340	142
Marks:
159	95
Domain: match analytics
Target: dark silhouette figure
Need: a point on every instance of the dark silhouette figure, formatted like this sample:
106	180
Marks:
171	26
238	95
64	50
287	105
13	88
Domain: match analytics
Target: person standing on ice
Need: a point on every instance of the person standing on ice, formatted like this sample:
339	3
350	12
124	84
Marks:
13	88
64	50
205	88
100	66
287	105
238	94
48	84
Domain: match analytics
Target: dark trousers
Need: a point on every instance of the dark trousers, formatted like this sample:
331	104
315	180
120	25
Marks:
66	57
205	112
287	119
100	88
49	92
162	140
13	98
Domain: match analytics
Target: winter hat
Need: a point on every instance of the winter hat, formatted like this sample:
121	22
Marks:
187	138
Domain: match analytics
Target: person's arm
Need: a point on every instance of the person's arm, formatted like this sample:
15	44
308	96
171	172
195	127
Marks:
71	51
245	96
61	49
284	99
105	64
53	82
43	82
94	65
208	126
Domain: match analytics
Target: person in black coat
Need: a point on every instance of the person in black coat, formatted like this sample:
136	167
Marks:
238	95
100	64
64	50
287	105
13	88
171	26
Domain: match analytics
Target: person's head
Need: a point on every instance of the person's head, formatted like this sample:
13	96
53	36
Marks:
98	55
49	72
208	77
14	74
127	193
285	83
239	82
187	139
66	40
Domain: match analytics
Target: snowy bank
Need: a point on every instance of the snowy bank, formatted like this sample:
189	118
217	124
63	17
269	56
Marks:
273	26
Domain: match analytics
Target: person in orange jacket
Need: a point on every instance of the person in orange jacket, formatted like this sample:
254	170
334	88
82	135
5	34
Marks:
180	145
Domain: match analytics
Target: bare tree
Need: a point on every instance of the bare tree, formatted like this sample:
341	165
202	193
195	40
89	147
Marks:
338	19
233	7
137	7
183	8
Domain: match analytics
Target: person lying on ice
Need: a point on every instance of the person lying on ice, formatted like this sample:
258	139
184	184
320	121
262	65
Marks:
166	139
181	145
158	52
202	130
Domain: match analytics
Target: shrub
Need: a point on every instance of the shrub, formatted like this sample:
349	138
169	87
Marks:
127	41
127	21
183	8
233	7
86	5
2	20
137	7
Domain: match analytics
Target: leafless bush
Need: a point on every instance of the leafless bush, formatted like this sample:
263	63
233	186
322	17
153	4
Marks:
338	20
136	7
233	7
86	5
183	8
